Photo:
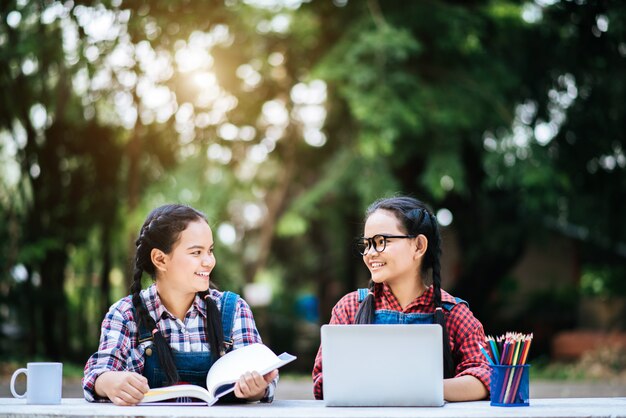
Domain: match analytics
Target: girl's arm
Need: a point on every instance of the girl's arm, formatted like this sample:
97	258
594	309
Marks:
472	373
464	388
114	350
122	388
252	386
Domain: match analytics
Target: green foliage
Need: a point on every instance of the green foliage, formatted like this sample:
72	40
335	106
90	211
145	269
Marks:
367	67
600	365
553	301
37	250
442	174
511	122
543	369
291	224
604	280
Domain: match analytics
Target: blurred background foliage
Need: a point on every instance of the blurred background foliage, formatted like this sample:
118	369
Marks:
282	120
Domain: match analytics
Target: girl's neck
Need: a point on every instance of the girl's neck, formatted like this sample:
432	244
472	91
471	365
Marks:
176	303
407	291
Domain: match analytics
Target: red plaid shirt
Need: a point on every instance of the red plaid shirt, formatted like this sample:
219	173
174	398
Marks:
465	331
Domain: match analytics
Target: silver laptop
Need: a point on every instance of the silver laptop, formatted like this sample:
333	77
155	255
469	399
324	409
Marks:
382	365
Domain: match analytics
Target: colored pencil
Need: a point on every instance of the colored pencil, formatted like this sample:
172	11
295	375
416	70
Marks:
509	349
486	354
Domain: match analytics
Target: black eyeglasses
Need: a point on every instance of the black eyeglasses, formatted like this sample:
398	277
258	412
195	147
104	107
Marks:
379	242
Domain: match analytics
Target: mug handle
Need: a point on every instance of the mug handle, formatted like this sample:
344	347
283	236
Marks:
15	374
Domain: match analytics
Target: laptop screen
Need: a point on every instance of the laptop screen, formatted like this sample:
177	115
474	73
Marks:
382	365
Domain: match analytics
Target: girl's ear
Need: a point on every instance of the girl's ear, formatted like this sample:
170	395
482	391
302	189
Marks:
159	259
421	245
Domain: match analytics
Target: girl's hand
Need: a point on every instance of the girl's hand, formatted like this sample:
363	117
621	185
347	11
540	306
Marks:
122	388
252	385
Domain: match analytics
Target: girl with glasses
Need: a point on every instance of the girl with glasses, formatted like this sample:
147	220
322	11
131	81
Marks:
401	247
173	331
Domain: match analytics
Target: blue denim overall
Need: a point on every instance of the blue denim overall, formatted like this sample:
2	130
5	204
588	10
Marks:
388	316
192	366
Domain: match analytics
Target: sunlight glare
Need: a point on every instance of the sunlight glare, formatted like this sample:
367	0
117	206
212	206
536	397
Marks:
153	97
184	113
444	217
252	214
446	182
544	132
257	153
189	59
314	137
52	12
205	80
219	153
14	18
228	132
98	23
275	113
312	116
226	233
247	133
38	116
275	59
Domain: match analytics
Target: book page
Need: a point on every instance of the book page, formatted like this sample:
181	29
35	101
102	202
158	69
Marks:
253	357
221	377
178	391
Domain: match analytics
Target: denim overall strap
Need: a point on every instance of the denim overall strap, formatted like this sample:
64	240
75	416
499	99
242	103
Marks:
228	310
389	316
449	305
446	305
143	334
192	367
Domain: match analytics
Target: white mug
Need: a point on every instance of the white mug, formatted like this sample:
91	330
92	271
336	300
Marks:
44	382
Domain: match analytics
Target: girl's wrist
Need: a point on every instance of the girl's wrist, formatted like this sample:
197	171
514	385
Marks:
268	396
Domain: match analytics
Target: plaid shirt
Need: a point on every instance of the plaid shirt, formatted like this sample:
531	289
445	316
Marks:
119	351
465	331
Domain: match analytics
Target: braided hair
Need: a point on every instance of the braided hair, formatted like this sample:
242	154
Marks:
161	230
416	219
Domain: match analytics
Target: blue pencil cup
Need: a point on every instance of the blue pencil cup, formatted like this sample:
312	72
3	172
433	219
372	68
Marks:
510	385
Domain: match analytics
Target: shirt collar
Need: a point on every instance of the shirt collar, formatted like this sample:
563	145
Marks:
153	304
425	299
199	305
428	296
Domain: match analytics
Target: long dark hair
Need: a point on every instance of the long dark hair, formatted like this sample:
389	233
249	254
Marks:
416	219
161	230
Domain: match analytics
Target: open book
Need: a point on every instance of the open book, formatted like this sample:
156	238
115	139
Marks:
223	375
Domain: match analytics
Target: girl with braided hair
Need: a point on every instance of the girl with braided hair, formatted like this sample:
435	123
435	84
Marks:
173	331
400	247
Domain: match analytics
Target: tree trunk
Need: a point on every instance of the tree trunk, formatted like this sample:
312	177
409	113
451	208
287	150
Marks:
105	284
275	203
485	262
134	149
53	320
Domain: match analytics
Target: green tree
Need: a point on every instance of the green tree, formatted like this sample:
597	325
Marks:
505	112
284	120
52	206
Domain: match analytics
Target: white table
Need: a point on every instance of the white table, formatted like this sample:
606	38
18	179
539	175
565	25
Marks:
539	408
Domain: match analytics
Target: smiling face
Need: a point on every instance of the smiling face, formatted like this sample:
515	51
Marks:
399	261
186	268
